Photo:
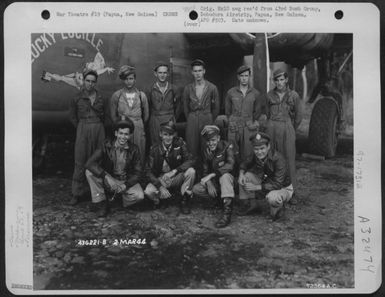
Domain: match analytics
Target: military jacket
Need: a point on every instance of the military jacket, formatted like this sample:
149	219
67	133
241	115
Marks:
209	103
169	102
81	108
178	158
220	161
273	170
248	107
289	108
104	159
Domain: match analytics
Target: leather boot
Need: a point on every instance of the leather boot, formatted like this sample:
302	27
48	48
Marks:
227	211
216	205
74	200
164	203
244	205
185	207
103	209
250	209
276	214
293	200
94	207
157	203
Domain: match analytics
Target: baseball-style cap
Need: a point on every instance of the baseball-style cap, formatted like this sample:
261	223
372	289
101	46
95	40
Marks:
278	73
242	69
160	63
198	62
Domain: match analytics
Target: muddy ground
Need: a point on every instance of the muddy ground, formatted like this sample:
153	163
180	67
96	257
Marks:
312	245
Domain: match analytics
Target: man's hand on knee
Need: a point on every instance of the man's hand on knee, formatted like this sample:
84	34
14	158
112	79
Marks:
121	188
242	179
211	189
164	193
250	187
111	183
165	180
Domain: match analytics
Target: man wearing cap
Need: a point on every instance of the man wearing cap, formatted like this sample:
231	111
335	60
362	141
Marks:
86	112
264	175
116	168
201	106
284	113
131	103
163	99
218	164
243	107
170	165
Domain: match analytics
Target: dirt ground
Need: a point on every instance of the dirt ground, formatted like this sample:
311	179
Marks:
312	245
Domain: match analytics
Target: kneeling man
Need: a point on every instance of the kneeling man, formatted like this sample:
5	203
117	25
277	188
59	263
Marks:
218	163
170	166
116	167
265	174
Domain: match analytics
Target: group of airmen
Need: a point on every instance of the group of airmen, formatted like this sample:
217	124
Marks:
258	156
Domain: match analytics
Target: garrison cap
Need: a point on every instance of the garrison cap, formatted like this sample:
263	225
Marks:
168	126
124	122
198	62
278	73
259	139
89	71
209	131
126	70
243	68
160	63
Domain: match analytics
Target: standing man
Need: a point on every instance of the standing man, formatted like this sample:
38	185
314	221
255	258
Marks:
201	106
163	100
264	175
116	168
87	115
131	103
218	163
170	165
243	107
284	113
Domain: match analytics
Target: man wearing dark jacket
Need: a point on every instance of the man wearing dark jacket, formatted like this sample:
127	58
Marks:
116	167
170	166
218	164
265	174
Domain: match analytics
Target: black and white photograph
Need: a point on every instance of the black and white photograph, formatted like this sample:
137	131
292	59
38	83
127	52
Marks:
153	235
193	161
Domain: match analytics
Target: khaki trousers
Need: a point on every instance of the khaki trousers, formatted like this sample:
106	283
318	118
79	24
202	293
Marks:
184	180
275	198
226	185
129	196
89	137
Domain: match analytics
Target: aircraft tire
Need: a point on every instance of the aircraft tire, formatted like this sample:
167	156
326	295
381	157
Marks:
323	132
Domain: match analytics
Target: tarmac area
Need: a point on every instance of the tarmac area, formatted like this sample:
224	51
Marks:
310	246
